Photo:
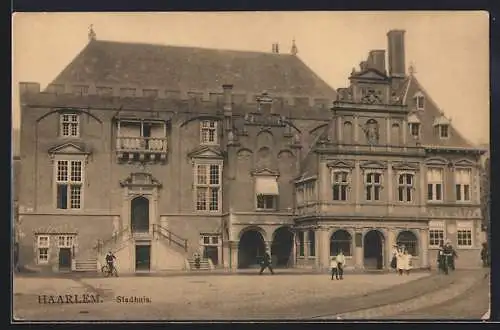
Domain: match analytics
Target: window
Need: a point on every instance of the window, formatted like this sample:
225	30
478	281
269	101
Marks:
69	181
373	186
462	184
208	187
65	241
43	244
309	191
434	184
436	237
340	186
410	242
301	243
405	187
208	132
420	101
415	130
464	237
212	240
150	93
80	90
341	240
443	131
127	92
70	125
266	202
312	243
104	91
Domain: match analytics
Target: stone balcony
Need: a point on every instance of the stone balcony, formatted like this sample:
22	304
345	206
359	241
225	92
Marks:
149	149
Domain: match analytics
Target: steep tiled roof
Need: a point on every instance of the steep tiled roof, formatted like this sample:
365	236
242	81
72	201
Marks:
177	68
428	116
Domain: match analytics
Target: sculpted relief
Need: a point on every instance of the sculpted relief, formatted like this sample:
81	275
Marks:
453	212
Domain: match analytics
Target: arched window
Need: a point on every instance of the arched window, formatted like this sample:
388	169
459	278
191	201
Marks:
395	134
410	242
348	133
341	240
405	187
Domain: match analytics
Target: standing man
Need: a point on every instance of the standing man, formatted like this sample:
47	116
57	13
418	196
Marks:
266	263
450	255
484	255
340	264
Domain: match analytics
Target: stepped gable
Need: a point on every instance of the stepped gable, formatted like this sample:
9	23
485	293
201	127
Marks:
190	68
429	116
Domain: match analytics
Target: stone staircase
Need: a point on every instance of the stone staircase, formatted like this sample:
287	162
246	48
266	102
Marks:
205	264
85	265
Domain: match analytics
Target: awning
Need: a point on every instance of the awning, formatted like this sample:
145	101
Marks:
266	186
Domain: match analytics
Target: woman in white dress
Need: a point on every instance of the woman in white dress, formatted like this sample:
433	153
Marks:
400	260
407	262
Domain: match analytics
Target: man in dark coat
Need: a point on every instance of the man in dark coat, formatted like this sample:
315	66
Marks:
266	263
450	255
485	255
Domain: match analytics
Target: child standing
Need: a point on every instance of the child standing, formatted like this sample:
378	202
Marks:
333	267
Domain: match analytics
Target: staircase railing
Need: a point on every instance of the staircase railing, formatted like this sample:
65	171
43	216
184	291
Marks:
170	237
101	244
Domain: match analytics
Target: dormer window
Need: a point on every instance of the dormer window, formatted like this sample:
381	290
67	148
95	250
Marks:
70	125
443	131
419	100
442	125
415	130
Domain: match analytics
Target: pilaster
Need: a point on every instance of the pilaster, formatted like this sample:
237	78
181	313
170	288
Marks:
357	185
339	129
323	254
390	185
404	129
424	248
355	127
388	130
423	189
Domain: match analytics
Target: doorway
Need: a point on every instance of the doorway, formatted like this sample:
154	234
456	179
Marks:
64	259
373	250
282	247
142	257
139	214
251	249
212	253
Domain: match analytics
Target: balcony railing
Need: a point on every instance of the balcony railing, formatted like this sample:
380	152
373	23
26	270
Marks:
141	144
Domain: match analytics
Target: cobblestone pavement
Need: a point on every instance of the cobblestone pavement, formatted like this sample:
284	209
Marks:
201	298
472	305
462	285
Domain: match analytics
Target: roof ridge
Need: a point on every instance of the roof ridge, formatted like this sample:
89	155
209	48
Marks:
138	43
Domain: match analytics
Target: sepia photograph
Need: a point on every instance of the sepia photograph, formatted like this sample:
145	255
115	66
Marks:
250	166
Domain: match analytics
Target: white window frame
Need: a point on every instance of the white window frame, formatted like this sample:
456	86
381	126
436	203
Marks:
341	184
440	232
465	230
59	179
72	120
206	127
434	184
417	125
274	199
40	246
68	241
406	187
207	186
420	105
210	238
462	183
372	185
440	131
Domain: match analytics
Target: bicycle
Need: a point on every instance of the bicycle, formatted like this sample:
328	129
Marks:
108	272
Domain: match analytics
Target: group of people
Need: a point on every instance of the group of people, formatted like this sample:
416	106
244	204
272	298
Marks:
446	257
337	265
401	260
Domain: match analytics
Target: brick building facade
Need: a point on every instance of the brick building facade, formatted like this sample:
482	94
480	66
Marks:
158	152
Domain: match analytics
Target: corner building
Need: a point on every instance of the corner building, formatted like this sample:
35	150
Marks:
159	152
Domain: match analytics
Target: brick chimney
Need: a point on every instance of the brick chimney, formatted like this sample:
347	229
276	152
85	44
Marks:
377	60
396	49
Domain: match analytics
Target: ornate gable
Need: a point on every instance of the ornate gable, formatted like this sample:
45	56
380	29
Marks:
265	172
206	153
140	179
464	163
405	166
373	164
438	161
341	164
370	74
69	148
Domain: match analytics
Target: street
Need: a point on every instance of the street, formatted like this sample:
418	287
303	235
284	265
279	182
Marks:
228	297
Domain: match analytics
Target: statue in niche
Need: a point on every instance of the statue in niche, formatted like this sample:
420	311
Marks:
371	131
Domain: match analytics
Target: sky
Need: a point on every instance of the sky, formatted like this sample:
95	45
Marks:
449	50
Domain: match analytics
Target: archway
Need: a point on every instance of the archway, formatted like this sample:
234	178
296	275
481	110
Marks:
139	220
251	249
341	240
282	247
409	240
373	244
